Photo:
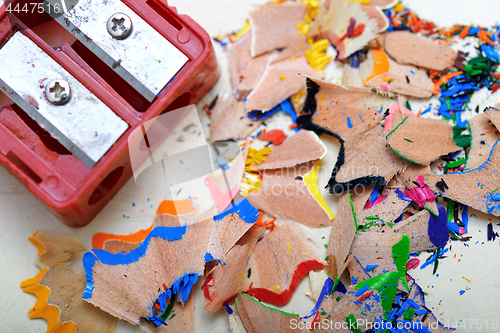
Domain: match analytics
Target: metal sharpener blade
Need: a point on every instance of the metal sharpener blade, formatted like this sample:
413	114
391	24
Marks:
85	125
145	59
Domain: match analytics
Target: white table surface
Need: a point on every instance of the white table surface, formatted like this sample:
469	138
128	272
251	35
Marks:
21	214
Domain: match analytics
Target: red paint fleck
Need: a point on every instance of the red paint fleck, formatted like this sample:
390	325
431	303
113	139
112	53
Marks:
275	136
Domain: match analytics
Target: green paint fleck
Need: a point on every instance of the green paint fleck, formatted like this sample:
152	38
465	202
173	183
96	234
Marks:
371	223
409	313
352	323
335	283
262	304
400	253
450	209
169	309
353	212
436	262
461	140
408	105
455	164
386	284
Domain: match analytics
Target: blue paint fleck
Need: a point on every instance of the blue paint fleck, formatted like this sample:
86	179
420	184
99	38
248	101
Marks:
473	30
438	227
374	195
362	291
325	291
465	218
243	208
433	258
349	123
402	196
208	257
426	111
228	309
495	197
223	162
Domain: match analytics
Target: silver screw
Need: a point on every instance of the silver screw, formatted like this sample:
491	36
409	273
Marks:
119	26
58	92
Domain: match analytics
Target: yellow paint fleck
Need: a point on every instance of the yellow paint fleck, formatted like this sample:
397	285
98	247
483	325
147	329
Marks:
303	29
245	28
251	182
311	181
296	98
316	57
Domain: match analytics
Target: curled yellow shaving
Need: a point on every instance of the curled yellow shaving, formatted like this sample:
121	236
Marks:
42	309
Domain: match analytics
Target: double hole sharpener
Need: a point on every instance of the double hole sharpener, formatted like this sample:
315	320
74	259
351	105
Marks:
77	77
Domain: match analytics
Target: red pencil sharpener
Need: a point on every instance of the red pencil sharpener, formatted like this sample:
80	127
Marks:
77	78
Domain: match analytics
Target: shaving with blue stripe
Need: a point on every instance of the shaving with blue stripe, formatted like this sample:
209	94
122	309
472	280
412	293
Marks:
329	287
135	265
243	208
168	263
476	188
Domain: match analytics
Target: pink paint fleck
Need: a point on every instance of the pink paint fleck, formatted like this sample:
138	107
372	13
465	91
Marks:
388	120
420	194
412	263
222	200
376	202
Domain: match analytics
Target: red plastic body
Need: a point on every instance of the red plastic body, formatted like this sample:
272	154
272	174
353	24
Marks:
71	190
